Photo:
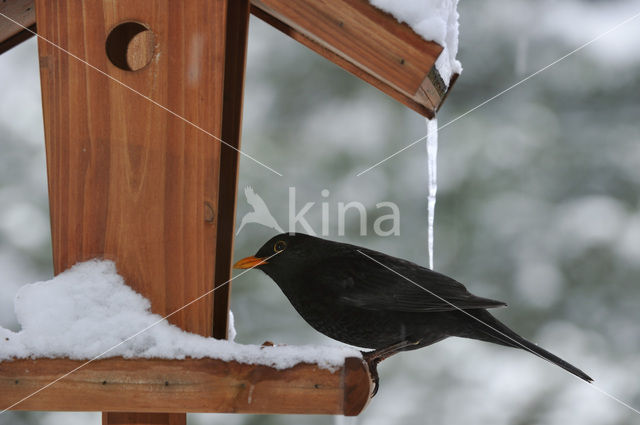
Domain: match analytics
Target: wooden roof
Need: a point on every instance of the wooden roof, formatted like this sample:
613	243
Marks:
355	35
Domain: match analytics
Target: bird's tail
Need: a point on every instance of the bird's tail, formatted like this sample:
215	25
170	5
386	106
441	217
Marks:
498	333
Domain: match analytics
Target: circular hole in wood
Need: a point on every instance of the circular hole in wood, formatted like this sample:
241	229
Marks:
130	46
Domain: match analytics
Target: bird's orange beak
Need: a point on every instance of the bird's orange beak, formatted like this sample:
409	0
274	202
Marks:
249	262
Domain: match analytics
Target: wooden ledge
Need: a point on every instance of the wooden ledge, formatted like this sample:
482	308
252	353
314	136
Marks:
365	41
22	11
190	385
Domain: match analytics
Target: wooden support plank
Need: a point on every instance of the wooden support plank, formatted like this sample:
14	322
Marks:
365	41
235	65
21	11
269	11
193	385
127	418
15	40
128	180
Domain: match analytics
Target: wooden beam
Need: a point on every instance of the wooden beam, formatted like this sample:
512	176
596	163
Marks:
365	41
235	65
130	176
192	385
128	418
21	11
279	13
13	41
128	180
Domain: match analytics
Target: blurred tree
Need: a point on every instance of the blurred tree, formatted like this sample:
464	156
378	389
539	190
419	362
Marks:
537	205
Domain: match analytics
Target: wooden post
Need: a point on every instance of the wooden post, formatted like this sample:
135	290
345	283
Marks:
235	65
128	179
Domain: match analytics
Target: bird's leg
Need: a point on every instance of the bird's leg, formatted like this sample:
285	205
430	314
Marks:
373	370
386	352
376	356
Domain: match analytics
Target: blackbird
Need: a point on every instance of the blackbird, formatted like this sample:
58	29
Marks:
372	300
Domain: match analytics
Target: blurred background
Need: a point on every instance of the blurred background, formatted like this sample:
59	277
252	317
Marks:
538	205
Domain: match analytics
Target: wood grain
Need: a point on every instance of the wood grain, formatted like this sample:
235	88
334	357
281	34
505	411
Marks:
129	181
358	386
21	11
124	418
132	182
193	385
17	39
422	99
235	65
365	41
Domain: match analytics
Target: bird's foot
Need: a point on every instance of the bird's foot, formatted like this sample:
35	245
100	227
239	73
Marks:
376	356
372	364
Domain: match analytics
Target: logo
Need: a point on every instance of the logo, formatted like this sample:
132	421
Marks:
384	225
260	213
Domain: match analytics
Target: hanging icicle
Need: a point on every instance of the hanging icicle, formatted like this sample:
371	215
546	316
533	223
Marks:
432	156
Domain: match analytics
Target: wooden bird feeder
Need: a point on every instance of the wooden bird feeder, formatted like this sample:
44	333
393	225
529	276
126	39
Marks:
136	96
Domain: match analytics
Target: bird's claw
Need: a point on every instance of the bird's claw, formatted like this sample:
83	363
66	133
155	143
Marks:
372	364
376	381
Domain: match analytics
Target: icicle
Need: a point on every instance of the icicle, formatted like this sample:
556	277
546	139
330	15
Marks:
432	156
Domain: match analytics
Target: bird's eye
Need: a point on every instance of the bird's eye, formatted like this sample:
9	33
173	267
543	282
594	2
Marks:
279	246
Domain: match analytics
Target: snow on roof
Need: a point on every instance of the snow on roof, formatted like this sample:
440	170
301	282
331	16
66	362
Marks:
433	20
89	310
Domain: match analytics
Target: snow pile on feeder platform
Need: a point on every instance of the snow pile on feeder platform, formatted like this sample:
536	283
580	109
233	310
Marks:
88	311
433	20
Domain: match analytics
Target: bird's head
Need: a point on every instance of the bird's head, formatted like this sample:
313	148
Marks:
285	254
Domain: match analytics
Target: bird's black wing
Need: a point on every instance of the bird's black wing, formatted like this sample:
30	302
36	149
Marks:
365	282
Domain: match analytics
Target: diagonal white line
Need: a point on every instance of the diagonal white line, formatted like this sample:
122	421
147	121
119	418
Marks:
132	336
591	384
452	305
175	114
527	78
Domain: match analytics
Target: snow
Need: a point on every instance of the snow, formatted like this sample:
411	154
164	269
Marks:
432	165
231	327
433	20
88	312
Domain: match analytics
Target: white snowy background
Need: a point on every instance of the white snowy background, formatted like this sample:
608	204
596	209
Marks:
538	205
